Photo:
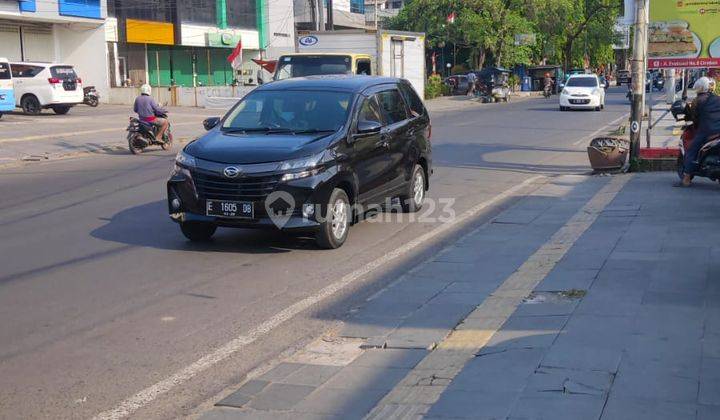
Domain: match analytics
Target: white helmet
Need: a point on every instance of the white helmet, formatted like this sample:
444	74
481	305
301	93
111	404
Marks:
702	85
145	89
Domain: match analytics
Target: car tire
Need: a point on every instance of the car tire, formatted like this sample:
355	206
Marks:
562	108
61	110
597	108
198	231
0	114
30	105
412	201
335	222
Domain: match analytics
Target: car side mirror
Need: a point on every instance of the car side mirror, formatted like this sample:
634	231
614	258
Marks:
211	122
365	128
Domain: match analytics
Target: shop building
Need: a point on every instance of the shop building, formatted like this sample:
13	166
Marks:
346	14
68	31
186	43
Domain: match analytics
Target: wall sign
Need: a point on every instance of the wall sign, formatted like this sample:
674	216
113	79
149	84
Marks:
308	41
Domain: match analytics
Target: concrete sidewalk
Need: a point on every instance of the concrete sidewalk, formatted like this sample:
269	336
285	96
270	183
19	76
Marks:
592	298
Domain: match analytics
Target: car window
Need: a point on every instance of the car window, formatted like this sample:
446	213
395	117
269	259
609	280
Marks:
413	100
300	66
25	70
63	72
582	82
392	106
363	67
294	110
4	71
369	111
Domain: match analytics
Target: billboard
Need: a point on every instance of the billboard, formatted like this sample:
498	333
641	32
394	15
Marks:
684	34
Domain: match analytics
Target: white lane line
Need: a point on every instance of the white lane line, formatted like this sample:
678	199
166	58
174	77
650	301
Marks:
147	395
77	133
595	133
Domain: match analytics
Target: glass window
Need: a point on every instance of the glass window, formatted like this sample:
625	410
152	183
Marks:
290	111
369	111
242	14
63	72
363	67
392	106
582	82
197	11
413	100
357	6
139	9
25	70
310	65
4	71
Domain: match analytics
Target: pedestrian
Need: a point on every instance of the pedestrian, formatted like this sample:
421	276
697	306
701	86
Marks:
472	78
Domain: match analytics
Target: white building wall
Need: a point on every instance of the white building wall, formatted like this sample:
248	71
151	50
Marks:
84	48
280	27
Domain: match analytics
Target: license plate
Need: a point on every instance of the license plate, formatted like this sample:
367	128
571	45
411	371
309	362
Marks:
578	101
236	209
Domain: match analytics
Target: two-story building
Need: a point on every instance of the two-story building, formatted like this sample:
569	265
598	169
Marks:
69	31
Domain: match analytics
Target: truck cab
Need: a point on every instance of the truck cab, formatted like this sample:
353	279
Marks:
312	64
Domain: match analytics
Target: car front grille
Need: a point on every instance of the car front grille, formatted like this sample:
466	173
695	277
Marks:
251	188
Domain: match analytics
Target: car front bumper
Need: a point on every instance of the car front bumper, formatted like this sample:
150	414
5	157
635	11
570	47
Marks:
588	101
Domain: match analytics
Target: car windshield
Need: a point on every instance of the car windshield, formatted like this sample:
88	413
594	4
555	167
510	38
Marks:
289	111
311	65
582	82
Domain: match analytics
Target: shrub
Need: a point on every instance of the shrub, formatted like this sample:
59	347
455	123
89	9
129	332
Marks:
434	87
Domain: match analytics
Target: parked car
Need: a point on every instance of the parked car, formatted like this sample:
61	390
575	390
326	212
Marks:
458	84
7	96
582	91
305	154
623	77
41	86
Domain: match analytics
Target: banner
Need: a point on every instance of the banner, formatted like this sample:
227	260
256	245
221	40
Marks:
684	33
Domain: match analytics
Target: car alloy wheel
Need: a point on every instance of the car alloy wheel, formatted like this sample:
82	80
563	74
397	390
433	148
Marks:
30	105
335	224
339	219
413	200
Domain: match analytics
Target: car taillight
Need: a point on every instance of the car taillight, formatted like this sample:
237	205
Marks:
54	80
79	80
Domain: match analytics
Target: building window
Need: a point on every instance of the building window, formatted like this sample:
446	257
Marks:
198	11
357	6
242	14
159	11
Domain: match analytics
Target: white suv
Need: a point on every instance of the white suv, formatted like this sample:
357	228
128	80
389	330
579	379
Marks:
40	86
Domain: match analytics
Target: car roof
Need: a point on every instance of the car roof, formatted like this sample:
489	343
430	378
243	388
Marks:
41	63
573	76
350	83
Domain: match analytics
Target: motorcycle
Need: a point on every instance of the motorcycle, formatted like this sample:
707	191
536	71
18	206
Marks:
659	84
91	96
709	155
142	134
547	91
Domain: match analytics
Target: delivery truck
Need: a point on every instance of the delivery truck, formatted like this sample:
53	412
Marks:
383	53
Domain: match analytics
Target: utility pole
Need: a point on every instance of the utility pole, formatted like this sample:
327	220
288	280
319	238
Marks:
330	12
637	66
320	15
376	14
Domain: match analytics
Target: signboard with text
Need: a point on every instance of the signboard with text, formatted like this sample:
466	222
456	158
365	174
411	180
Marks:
684	34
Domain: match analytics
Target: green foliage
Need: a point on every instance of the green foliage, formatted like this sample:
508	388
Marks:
434	87
484	30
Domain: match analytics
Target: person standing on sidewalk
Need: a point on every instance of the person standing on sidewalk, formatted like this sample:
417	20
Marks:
706	114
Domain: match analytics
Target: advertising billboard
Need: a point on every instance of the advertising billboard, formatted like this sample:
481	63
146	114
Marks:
684	34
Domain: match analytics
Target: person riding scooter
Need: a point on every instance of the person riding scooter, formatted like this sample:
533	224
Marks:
148	110
705	112
547	85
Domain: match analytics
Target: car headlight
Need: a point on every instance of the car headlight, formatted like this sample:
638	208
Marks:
596	91
304	167
564	92
185	160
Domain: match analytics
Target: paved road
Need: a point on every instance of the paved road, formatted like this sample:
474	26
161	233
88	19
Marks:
101	297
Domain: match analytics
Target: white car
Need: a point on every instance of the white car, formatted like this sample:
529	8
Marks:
582	91
40	86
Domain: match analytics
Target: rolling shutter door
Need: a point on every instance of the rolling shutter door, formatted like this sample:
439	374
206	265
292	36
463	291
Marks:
38	44
10	42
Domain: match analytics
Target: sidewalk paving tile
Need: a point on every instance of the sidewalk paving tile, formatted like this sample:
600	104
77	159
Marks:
709	391
362	377
244	394
279	396
347	403
568	279
558	406
311	375
473	405
654	384
223	413
581	356
390	358
621	408
280	372
708	412
568	381
526	332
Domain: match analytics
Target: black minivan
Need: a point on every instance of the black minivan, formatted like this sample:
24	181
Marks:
307	154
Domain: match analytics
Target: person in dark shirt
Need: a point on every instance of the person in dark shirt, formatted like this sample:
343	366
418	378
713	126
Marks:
148	110
706	111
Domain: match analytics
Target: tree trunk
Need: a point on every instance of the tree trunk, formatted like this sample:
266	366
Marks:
481	59
567	52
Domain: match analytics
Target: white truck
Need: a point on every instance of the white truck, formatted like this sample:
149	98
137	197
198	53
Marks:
382	53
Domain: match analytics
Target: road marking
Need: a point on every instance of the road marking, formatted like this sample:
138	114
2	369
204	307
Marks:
76	133
417	392
149	394
596	132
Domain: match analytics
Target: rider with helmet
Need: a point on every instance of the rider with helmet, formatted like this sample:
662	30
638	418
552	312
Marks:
148	110
705	110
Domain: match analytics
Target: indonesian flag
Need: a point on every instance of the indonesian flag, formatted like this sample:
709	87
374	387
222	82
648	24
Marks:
235	58
451	17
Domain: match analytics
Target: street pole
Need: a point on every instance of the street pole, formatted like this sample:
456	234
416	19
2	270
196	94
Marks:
321	15
330	13
637	67
376	15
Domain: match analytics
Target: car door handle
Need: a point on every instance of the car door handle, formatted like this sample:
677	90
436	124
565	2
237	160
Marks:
384	141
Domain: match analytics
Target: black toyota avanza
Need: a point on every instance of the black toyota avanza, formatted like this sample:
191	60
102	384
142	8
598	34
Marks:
305	153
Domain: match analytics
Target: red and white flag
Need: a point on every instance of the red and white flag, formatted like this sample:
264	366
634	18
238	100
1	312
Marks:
451	17
235	58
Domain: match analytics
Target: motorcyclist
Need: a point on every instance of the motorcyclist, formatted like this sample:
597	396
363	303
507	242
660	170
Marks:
547	83
705	110
148	110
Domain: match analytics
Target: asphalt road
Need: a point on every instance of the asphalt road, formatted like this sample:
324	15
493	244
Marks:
102	297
